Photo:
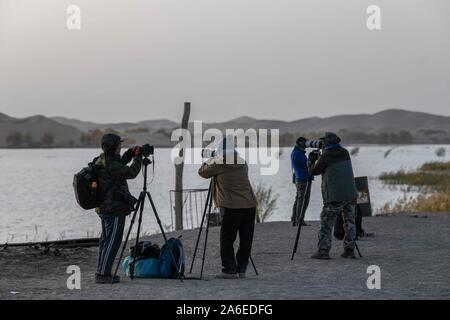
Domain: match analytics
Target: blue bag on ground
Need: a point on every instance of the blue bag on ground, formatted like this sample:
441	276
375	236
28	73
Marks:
168	268
143	268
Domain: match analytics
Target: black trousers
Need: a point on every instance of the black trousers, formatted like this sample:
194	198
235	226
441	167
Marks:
110	241
301	199
234	221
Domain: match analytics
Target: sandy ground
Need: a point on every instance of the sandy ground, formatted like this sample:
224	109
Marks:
413	253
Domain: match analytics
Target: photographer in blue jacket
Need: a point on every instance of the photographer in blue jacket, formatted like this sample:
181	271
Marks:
301	176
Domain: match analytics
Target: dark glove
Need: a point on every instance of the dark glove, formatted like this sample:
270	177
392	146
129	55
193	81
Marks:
312	157
129	153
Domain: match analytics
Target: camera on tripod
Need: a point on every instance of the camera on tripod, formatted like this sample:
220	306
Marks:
147	150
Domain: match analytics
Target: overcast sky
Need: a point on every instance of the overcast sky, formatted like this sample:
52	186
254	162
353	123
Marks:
277	59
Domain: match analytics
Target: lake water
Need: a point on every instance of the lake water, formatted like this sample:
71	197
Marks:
37	201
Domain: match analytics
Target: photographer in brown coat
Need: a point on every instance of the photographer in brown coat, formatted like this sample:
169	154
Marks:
234	196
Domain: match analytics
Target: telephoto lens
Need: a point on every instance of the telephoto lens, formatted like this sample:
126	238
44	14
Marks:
315	144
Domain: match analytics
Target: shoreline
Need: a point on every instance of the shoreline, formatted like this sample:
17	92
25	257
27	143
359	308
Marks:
411	250
281	146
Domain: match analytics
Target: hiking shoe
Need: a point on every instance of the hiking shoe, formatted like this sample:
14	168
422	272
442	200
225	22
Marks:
349	254
225	275
321	256
107	278
241	275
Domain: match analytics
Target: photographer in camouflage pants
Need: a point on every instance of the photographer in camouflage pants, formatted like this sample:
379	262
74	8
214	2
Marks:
338	192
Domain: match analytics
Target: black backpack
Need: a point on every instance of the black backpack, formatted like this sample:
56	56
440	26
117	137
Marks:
145	250
169	269
85	185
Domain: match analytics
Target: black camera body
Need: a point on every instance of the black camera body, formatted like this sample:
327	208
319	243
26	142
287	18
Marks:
147	150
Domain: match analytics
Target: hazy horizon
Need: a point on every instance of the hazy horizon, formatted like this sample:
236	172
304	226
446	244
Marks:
212	121
265	59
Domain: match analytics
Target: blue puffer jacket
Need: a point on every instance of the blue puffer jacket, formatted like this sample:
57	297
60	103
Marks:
299	163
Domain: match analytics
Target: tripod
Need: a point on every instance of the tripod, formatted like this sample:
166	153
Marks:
140	207
302	219
208	209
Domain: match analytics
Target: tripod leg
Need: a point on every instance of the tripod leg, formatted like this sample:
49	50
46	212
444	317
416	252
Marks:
302	218
297	239
201	227
164	234
140	200
206	235
357	249
254	267
133	260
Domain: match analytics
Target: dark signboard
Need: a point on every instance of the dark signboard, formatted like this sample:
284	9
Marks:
362	185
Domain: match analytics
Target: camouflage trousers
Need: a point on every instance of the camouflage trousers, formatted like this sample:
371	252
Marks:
328	218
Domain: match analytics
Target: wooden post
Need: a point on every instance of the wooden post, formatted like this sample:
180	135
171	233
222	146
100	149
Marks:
179	174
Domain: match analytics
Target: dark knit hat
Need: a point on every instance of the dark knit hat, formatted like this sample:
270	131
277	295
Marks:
330	138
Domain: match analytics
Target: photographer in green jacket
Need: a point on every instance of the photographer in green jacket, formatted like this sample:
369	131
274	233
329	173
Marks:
338	192
116	200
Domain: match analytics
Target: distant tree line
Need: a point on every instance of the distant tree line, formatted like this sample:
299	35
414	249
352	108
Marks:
93	138
354	137
17	139
403	137
137	130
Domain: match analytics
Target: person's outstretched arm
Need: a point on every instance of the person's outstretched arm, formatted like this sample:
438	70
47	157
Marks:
127	156
122	171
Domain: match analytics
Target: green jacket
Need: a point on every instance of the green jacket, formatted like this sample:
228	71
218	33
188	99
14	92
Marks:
113	174
338	181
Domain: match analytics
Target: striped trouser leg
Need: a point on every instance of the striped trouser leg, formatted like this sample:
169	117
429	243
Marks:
101	246
113	232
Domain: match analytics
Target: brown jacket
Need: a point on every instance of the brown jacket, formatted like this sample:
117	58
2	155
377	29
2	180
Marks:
232	188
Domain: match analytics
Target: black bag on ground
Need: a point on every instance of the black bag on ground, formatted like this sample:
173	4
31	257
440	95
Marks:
85	185
339	232
145	250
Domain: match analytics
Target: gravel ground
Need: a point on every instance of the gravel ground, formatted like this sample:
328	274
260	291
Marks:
413	253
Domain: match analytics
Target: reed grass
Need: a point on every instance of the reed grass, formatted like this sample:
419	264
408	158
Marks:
435	175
